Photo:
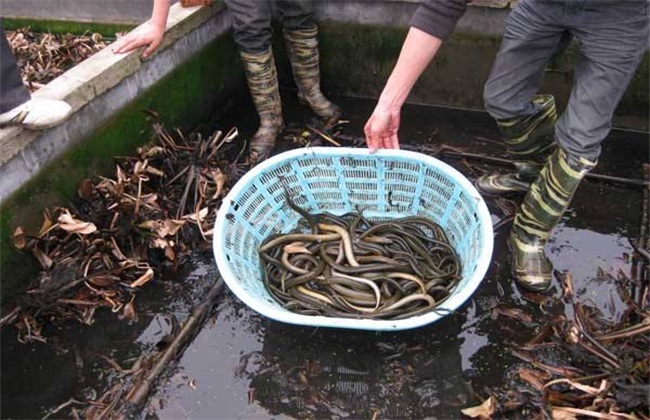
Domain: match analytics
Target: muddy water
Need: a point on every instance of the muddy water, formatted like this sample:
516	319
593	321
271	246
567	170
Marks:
241	365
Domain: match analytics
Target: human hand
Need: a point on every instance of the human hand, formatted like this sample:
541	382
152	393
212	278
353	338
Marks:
147	35
382	127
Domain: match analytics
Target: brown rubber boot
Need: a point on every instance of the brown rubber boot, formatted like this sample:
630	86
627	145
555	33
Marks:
530	140
262	79
546	201
302	47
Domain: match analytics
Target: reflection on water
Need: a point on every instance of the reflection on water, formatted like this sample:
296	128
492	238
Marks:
594	259
307	372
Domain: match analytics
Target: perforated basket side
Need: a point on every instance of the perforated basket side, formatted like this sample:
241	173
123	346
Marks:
383	185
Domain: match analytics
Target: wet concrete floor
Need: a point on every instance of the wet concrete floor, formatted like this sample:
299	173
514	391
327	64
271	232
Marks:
244	366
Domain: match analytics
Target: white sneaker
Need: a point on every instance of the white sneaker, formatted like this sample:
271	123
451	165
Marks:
37	114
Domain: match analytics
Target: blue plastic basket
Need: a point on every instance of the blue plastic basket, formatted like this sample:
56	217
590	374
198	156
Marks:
385	184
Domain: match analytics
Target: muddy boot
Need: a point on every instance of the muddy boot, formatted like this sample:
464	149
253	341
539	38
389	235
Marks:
529	140
302	47
543	206
263	85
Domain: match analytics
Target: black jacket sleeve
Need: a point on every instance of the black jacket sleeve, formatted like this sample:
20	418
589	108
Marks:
438	17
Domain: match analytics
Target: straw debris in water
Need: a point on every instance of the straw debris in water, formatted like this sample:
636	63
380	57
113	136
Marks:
121	232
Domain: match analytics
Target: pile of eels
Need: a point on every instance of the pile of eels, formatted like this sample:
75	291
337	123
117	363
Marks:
350	267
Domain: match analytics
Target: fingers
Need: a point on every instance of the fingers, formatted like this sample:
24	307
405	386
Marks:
150	49
377	140
393	141
126	45
134	43
117	47
373	139
389	142
380	135
120	45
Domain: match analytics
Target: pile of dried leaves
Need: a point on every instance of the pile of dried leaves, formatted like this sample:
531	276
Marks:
580	364
43	56
159	207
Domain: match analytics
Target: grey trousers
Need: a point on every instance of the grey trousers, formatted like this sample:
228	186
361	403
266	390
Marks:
12	90
252	20
612	37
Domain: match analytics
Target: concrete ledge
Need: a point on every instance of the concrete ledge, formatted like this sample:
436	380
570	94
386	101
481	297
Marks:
99	87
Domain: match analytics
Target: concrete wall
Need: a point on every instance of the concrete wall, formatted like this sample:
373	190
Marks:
108	93
485	17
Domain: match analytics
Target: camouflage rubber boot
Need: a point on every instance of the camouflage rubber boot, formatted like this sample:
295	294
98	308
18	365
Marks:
546	201
263	85
509	183
302	47
528	139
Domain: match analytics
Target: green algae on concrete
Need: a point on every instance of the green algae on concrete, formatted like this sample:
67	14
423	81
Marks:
357	60
192	94
108	30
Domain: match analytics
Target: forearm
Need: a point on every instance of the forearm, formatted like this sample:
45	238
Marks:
160	12
417	52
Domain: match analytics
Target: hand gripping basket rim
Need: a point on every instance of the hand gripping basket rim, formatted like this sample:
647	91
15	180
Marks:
279	314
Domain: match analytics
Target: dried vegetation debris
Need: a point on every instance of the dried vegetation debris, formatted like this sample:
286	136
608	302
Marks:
121	232
578	364
42	57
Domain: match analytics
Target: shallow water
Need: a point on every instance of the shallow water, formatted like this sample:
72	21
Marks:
242	365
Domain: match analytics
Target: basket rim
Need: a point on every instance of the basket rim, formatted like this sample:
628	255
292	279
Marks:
449	306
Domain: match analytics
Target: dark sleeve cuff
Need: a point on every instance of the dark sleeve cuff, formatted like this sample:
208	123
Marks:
438	17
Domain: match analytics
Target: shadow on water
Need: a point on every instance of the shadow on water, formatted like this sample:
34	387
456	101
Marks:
242	365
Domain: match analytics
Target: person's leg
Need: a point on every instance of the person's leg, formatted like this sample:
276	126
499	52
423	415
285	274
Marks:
301	38
252	33
533	35
295	15
12	90
612	38
251	25
16	105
